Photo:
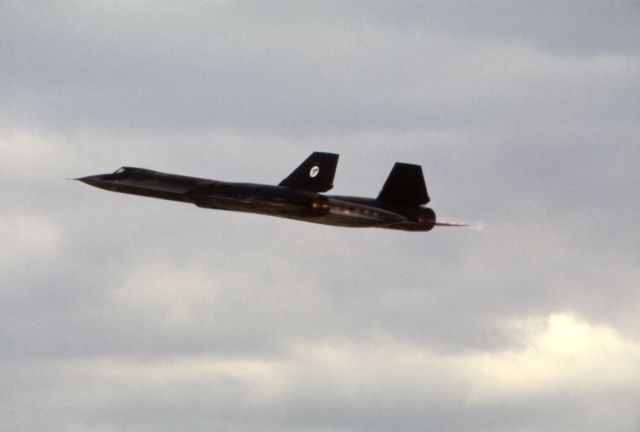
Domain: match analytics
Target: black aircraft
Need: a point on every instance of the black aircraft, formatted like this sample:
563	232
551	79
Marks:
400	204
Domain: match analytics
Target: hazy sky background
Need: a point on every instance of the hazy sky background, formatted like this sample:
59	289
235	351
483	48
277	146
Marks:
124	313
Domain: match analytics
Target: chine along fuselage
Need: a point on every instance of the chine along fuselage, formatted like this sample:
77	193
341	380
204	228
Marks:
300	196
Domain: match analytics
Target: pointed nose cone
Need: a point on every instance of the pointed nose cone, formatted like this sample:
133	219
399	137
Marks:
94	180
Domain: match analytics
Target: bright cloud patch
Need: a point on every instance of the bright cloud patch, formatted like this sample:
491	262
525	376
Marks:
562	352
378	379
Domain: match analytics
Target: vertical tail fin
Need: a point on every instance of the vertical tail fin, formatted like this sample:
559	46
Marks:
314	174
405	185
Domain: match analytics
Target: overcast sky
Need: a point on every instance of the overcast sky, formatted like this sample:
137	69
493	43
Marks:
126	313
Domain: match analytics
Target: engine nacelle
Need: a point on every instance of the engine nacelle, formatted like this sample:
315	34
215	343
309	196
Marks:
320	206
427	217
422	219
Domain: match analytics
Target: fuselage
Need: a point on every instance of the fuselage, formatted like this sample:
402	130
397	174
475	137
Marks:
279	201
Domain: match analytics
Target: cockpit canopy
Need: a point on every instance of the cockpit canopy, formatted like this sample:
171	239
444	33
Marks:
126	171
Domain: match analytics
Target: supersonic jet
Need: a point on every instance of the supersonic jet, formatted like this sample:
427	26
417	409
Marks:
399	206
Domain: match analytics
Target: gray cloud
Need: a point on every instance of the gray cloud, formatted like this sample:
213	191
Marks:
124	313
236	66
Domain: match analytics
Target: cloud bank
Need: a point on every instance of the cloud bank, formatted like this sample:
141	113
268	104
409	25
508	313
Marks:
118	312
